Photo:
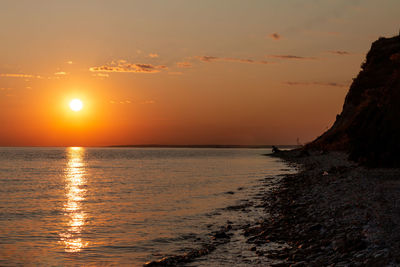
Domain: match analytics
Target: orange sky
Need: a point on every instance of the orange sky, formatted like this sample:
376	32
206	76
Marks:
180	72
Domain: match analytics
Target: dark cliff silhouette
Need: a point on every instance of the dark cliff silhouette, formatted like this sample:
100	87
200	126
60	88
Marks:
369	125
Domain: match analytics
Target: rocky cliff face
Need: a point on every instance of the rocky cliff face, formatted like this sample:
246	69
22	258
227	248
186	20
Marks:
369	125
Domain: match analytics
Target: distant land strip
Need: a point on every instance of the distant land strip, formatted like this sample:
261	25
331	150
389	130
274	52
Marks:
205	146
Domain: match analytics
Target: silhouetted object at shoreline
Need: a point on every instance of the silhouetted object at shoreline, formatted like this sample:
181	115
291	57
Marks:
275	149
368	127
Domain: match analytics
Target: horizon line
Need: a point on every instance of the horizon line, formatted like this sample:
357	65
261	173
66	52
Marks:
163	146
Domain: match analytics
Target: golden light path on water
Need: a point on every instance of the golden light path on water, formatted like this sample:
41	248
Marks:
75	181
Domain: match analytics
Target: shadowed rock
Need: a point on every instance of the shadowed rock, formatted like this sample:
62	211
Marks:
368	126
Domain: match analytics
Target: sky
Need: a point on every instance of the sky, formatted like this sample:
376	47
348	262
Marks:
181	72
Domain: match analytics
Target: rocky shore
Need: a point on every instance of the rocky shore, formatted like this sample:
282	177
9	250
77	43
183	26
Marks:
332	213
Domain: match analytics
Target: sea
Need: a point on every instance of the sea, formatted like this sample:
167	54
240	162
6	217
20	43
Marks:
74	206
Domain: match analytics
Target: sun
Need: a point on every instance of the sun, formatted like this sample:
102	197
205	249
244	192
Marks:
76	104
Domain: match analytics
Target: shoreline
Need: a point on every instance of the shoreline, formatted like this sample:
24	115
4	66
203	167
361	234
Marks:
225	243
331	212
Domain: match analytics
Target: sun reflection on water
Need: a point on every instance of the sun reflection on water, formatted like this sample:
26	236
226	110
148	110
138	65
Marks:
75	182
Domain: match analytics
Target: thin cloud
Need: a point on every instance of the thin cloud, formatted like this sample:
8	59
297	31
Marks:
292	57
18	75
69	62
275	36
101	75
60	73
338	52
124	66
184	64
120	102
332	84
21	75
209	59
153	55
123	102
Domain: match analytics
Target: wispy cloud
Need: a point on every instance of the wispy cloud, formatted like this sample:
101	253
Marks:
124	66
69	62
120	101
229	59
153	55
184	64
101	75
18	75
333	84
56	75
275	36
291	57
123	102
60	73
338	52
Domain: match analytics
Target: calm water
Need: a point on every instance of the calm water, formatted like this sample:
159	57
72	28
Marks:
117	206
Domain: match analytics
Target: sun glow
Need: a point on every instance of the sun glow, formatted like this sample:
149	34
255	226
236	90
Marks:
76	104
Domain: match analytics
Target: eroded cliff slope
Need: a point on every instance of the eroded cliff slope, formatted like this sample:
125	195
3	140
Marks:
369	124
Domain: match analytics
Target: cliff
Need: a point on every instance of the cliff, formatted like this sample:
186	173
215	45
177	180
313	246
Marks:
368	127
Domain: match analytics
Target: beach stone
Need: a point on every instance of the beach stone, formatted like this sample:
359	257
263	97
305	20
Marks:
342	264
299	264
280	264
315	227
338	244
221	235
359	255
